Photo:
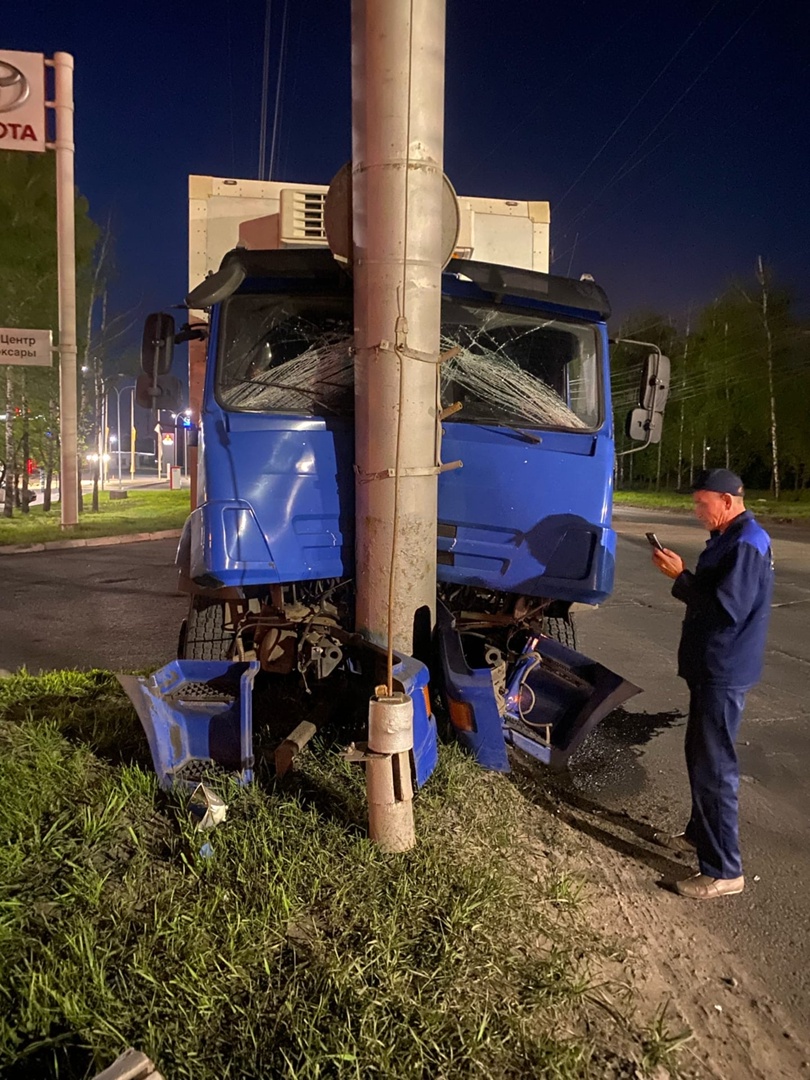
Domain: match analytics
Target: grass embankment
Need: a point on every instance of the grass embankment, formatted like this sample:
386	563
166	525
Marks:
296	949
141	511
788	507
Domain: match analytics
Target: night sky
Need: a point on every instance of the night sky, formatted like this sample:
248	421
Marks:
669	139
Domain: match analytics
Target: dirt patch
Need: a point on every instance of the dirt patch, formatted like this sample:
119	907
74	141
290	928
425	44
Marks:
669	955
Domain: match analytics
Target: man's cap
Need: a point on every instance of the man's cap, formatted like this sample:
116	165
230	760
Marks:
723	481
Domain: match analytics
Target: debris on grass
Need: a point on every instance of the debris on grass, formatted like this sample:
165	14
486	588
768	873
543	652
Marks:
206	808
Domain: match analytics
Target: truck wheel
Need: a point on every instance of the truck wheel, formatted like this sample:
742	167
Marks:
205	636
561	628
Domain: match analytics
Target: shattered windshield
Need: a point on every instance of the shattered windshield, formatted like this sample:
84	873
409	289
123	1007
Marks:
519	369
293	354
289	354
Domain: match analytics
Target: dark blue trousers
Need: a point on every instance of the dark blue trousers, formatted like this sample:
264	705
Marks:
714	776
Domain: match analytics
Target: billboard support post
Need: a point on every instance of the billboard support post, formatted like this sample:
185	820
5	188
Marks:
66	247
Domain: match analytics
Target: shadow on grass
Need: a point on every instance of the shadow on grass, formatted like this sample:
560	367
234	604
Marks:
88	707
63	1053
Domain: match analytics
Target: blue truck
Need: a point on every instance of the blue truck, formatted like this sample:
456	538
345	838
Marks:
524	526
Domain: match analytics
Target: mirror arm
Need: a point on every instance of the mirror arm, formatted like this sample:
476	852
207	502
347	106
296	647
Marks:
634	449
197	332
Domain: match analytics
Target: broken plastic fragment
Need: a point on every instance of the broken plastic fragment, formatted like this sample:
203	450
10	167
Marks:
206	808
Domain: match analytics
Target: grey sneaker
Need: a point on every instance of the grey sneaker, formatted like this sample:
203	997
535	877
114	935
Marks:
702	887
679	842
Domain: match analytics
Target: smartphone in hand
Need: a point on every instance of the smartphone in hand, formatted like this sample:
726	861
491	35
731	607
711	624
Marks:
653	541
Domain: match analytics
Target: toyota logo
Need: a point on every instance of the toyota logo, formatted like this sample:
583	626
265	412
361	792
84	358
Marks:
14	88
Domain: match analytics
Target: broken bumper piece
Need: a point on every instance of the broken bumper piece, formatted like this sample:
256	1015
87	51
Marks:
552	700
198	719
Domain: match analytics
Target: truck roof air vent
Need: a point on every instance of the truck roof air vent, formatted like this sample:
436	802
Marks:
301	218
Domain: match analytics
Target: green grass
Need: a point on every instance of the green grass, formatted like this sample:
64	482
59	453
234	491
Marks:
297	949
789	507
662	1044
141	511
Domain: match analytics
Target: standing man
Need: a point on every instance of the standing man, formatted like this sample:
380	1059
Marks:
728	602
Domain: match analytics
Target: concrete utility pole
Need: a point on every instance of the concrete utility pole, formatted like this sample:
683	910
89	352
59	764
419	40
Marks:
66	247
397	182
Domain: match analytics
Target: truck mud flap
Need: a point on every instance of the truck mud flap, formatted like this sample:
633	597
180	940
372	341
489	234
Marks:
198	719
553	698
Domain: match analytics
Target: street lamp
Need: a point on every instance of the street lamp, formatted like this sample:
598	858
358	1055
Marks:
118	390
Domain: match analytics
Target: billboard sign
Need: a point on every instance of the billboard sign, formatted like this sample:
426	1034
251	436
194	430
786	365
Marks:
32	348
22	101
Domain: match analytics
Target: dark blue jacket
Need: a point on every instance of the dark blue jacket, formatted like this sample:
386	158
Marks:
728	603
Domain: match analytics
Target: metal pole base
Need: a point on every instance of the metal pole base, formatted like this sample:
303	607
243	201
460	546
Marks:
389	788
390	801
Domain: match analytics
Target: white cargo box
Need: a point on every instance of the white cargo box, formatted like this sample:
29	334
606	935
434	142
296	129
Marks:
267	214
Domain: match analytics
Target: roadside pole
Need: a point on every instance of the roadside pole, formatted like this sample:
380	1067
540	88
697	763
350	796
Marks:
66	246
133	434
118	432
196	382
397	185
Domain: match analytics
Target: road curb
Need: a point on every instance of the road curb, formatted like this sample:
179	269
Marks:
90	541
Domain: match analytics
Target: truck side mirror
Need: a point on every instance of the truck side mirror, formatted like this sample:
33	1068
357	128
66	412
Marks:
654	389
645	424
157	345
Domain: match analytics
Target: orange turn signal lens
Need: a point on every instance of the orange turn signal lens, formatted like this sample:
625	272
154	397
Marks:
461	715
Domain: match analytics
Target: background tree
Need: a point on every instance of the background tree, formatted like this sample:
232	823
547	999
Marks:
739	393
28	285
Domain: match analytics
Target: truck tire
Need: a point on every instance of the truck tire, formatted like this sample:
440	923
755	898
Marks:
205	637
561	628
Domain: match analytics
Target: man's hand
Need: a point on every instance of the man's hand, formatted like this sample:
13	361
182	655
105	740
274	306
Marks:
668	562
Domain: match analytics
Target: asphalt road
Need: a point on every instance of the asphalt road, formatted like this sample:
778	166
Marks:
634	763
109	607
118	608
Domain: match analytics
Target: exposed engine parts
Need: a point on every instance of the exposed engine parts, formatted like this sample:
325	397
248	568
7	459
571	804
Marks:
293	628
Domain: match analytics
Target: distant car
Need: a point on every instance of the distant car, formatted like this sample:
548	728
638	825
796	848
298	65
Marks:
31	496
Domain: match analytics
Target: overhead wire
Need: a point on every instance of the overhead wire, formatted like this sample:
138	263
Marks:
705	382
277	112
292	90
552	89
231	95
626	168
265	90
657	179
662	175
638	102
